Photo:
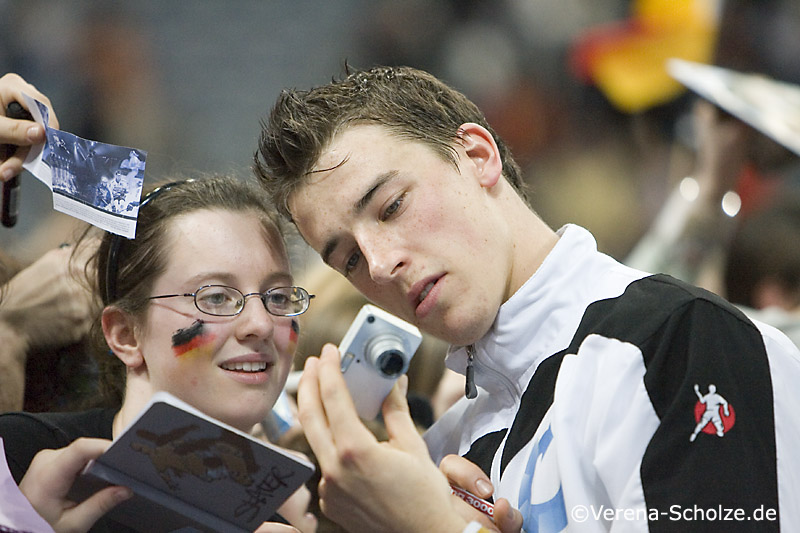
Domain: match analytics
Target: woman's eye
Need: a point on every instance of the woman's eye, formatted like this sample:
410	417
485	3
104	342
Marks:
215	298
279	299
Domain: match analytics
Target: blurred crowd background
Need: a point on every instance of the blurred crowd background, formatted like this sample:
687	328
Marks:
577	88
189	81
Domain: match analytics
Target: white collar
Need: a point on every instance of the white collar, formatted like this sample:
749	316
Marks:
527	324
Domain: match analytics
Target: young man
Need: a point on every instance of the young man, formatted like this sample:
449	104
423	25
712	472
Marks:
587	368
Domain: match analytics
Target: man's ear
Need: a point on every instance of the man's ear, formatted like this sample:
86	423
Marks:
120	334
482	151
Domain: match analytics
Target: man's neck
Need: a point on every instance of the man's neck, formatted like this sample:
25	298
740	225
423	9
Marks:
533	240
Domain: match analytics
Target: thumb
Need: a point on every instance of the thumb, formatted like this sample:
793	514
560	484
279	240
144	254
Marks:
399	425
83	516
506	518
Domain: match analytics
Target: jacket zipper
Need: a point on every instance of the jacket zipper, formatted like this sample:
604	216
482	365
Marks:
470	389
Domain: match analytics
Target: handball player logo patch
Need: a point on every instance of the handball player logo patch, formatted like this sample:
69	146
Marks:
713	414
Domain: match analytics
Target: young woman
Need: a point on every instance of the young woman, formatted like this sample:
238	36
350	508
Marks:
200	304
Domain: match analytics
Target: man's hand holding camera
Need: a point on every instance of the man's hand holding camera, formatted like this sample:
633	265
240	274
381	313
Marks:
357	490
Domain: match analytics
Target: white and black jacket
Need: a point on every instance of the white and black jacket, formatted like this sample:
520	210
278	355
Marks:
615	400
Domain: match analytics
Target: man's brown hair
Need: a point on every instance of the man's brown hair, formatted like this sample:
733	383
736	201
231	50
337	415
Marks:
410	103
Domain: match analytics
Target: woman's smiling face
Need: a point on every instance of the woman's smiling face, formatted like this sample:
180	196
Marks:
232	368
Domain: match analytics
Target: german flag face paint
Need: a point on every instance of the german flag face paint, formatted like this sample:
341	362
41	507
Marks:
293	334
191	341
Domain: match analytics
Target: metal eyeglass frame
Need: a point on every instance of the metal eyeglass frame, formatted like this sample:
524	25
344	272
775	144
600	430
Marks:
305	299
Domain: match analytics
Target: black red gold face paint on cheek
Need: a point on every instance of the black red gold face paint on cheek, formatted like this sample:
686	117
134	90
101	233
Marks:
191	340
293	334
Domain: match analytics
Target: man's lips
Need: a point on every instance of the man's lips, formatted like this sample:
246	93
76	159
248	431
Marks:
420	290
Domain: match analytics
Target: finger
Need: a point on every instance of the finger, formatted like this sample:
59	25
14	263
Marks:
73	459
464	473
18	135
506	518
52	473
20	132
83	516
312	415
400	427
12	87
347	429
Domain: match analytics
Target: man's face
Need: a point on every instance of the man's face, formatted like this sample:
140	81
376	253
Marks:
415	235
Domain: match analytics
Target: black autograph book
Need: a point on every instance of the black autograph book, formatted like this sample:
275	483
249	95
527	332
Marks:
190	472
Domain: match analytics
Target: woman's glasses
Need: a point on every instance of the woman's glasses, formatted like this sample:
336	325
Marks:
221	300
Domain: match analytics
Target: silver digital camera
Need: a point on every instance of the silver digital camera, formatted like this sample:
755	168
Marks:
375	352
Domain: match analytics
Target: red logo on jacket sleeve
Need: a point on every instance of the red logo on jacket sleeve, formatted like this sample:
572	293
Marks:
713	414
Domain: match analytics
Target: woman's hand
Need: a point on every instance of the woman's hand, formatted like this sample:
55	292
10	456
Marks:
51	475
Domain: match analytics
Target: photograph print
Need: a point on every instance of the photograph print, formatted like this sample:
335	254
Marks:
104	176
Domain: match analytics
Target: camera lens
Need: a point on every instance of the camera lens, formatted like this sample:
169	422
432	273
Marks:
385	352
391	362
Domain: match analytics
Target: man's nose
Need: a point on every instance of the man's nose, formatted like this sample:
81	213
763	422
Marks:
384	258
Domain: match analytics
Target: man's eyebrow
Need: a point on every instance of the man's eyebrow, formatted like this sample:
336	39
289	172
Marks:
379	182
330	246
